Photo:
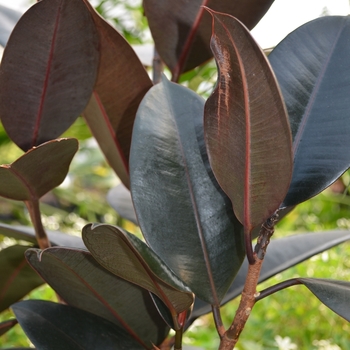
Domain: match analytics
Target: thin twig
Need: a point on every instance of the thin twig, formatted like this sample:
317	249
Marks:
218	320
277	287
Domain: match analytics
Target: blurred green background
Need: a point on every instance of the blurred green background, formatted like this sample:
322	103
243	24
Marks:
290	319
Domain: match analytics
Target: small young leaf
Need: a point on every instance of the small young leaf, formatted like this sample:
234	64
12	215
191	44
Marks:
128	257
56	327
311	65
17	278
81	282
246	125
48	71
38	171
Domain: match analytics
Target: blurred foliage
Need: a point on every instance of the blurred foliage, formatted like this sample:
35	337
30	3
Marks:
290	319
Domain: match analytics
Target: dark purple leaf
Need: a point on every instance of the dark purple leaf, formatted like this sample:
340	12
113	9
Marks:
245	123
48	71
77	277
122	82
182	29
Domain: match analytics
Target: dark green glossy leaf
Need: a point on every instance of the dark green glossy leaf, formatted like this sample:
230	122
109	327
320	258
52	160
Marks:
122	82
17	278
313	70
56	327
77	277
38	171
334	294
282	254
245	123
119	198
26	233
176	197
182	29
48	71
129	258
7	325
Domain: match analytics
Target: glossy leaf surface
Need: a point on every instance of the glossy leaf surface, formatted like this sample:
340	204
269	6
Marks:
122	82
17	278
182	29
77	277
38	171
282	254
7	325
313	70
26	233
119	199
176	197
56	327
48	71
334	294
129	258
245	124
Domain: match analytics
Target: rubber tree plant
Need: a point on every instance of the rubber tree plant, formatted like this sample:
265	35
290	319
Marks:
206	177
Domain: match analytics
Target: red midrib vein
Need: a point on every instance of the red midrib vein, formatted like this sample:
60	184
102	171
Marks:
46	80
247	169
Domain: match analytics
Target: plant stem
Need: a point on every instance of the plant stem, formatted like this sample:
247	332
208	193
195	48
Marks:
178	339
249	294
230	338
218	320
277	287
158	67
34	212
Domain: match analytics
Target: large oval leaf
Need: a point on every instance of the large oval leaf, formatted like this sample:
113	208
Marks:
182	29
48	71
38	171
183	213
246	126
81	282
17	278
121	84
56	327
332	293
128	257
278	259
313	70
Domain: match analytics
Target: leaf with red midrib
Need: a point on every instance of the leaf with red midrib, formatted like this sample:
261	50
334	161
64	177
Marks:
246	126
48	71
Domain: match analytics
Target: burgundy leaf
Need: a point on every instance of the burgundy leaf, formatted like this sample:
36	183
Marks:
48	71
246	126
